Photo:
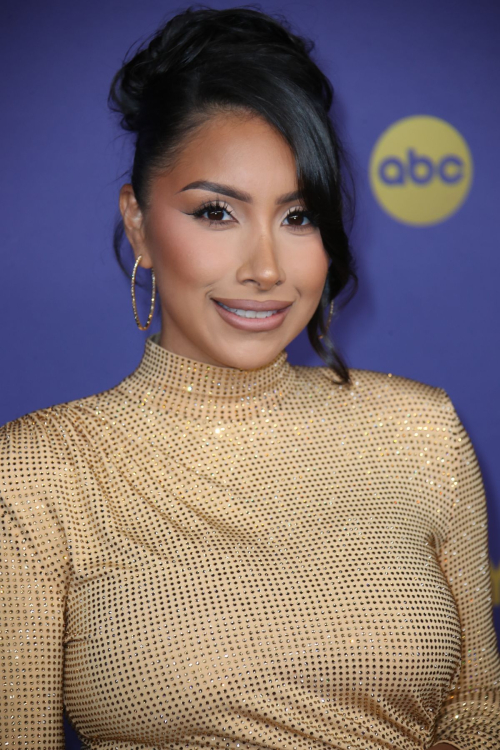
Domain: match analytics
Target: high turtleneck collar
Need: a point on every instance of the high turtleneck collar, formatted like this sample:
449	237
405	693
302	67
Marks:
197	390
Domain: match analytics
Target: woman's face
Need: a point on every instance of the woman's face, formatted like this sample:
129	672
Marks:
255	245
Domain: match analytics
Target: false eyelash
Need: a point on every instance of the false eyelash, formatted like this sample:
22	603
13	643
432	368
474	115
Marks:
218	206
214	206
304	212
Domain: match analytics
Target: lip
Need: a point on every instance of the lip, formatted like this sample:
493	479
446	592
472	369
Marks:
252	324
250	304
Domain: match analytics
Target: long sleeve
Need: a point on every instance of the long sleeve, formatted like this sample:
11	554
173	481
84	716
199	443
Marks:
470	717
34	571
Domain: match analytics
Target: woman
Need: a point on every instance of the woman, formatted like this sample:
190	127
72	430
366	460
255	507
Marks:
225	550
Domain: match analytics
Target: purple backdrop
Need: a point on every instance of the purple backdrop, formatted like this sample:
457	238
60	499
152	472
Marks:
427	307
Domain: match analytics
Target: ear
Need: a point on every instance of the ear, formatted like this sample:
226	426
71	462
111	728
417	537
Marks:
133	222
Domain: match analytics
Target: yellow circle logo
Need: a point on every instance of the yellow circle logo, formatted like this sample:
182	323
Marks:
420	170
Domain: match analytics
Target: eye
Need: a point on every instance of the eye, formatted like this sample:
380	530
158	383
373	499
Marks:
298	214
214	208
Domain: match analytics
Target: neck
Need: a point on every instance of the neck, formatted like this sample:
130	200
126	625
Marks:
197	390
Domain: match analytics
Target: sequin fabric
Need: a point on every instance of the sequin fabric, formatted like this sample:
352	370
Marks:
206	557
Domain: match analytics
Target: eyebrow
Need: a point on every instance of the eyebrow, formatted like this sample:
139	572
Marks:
239	195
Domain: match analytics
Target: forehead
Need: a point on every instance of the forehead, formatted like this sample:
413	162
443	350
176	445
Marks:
239	149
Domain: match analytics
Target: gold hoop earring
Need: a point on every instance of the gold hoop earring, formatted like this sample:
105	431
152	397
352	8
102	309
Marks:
329	319
153	297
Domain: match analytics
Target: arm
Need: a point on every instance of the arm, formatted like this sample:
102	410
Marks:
34	571
470	717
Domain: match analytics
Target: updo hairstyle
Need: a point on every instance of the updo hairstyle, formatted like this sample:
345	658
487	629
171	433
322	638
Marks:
204	62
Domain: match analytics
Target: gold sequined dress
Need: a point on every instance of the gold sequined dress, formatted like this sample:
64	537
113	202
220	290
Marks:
206	557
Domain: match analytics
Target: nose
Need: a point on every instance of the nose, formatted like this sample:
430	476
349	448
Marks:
261	264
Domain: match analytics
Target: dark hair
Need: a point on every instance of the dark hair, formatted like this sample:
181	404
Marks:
205	61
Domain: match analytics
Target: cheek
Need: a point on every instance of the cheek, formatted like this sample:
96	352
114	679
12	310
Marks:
309	266
184	254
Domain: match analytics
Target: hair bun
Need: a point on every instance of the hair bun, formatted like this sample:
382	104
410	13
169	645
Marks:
197	31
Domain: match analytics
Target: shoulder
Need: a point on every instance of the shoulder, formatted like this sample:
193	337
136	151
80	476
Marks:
369	382
50	444
40	477
46	460
45	426
52	423
393	388
383	393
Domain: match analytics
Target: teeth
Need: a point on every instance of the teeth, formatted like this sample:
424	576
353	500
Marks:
249	313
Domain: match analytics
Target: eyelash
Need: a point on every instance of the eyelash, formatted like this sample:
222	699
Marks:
218	206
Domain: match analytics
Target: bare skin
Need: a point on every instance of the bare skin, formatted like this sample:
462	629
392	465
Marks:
257	253
259	250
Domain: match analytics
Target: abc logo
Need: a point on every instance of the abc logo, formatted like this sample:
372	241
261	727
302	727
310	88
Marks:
420	170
